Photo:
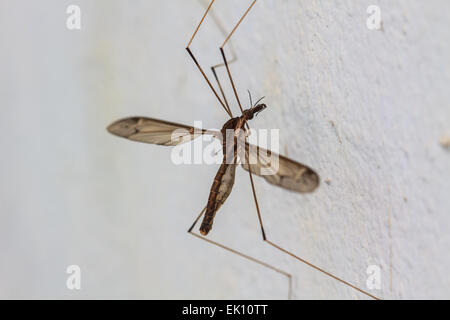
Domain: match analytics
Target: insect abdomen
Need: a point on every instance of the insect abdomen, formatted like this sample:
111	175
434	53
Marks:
211	207
224	179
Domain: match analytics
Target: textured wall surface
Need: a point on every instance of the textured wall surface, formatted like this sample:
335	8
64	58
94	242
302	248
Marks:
365	108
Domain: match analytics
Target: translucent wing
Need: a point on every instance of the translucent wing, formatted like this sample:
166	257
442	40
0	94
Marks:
279	170
156	131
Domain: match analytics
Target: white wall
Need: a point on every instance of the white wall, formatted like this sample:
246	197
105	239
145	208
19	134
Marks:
365	108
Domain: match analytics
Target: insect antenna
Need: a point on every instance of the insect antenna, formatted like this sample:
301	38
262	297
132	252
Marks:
250	97
256	103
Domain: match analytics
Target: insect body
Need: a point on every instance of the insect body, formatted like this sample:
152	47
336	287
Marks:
287	174
224	179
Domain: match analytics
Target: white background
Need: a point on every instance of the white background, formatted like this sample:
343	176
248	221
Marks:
364	108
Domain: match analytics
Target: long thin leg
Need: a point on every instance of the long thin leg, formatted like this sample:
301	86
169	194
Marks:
237	24
232	60
289	253
264	264
225	106
225	59
209	83
231	80
213	69
223	103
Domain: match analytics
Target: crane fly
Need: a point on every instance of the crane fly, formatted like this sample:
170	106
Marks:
290	175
